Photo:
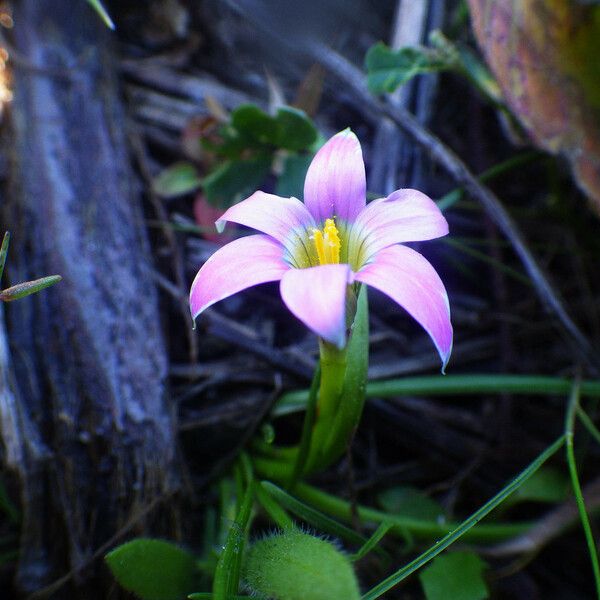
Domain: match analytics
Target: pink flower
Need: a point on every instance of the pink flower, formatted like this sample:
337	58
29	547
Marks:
318	248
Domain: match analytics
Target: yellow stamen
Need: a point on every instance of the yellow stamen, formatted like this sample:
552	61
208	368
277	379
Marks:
327	243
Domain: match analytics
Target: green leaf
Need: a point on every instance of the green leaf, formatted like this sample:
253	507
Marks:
458	575
226	579
177	180
291	180
234	180
20	290
387	69
546	485
153	569
295	131
410	502
97	6
309	514
4	252
252	122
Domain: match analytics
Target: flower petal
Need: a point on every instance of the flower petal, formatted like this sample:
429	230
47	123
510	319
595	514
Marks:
317	296
236	266
335	184
410	280
404	216
276	216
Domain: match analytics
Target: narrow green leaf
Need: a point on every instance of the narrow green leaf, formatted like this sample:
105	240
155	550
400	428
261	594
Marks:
28	287
273	508
372	542
449	385
307	429
457	575
4	252
453	536
227	573
588	424
97	6
307	513
583	515
234	180
153	569
295	131
404	526
177	180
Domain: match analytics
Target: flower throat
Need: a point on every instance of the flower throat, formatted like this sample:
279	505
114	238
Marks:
327	243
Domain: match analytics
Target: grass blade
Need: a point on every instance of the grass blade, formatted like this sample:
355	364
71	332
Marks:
97	6
585	520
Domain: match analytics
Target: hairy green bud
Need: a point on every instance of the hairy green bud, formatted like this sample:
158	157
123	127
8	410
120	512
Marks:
294	565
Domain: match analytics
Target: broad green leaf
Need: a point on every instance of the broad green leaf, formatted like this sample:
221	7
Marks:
153	569
387	69
20	290
234	180
295	131
410	502
546	485
458	575
177	180
291	180
252	122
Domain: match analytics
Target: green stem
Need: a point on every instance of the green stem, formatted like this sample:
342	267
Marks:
421	529
585	521
588	423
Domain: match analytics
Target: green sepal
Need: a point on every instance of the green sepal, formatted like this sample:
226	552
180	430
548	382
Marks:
355	381
153	569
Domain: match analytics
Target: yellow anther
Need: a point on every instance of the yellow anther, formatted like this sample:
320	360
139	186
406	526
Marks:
327	243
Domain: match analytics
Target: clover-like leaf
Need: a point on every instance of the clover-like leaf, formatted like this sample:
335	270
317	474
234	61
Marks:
153	569
177	180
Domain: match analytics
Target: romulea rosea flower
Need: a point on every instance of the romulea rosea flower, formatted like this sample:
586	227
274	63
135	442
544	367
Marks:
321	249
